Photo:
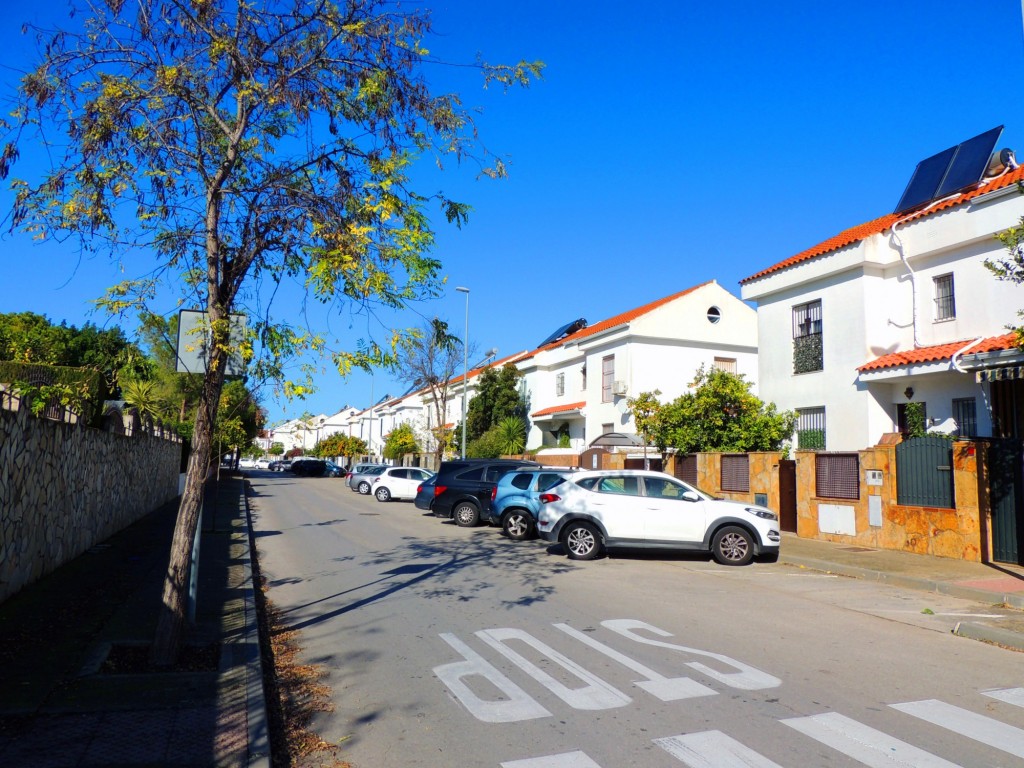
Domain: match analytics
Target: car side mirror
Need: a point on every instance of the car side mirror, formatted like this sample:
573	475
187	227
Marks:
690	496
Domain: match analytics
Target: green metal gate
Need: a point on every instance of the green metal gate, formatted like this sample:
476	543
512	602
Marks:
1005	460
924	472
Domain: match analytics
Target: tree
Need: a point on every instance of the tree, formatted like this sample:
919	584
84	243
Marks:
400	441
242	144
429	360
340	445
647	415
497	397
276	449
1011	266
721	414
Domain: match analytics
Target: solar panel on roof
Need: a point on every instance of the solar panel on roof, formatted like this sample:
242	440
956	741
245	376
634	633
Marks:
970	162
565	330
949	171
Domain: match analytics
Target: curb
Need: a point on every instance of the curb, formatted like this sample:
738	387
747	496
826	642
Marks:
989	634
245	654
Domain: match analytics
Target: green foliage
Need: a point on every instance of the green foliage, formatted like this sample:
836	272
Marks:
497	397
1011	266
808	353
489	445
646	410
721	414
512	433
811	439
77	389
340	445
916	426
142	395
276	449
400	441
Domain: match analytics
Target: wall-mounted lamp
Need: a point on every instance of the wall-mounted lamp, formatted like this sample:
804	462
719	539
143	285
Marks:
909	393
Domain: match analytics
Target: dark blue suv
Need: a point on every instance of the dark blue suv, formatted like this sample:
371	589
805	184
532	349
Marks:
463	488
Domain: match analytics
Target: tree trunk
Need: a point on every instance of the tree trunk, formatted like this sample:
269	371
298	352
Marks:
170	630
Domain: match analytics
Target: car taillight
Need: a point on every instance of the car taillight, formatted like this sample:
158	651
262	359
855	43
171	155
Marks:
439	489
494	492
547	498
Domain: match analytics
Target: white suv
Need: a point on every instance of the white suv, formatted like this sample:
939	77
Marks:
637	508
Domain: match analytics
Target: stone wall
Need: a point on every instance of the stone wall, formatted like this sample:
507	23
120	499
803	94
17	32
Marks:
65	488
958	533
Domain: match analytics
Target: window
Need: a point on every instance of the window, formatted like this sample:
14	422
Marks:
662	488
807	345
810	429
714	315
606	428
945	305
727	364
736	472
837	475
607	378
522	480
965	416
626	486
560	384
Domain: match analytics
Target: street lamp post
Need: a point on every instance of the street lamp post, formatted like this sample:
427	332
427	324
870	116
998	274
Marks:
465	368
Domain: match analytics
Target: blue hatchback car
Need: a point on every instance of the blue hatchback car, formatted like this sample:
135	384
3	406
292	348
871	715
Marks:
518	497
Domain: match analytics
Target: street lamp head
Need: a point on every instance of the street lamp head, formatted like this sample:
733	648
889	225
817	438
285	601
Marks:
461	289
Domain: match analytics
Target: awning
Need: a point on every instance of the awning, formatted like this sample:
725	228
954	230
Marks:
610	439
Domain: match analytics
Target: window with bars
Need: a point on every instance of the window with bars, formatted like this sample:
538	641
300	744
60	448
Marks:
965	416
727	364
807	338
607	378
945	304
560	384
837	476
810	429
736	472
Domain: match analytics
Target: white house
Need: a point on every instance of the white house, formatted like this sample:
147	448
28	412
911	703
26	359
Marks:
577	385
899	309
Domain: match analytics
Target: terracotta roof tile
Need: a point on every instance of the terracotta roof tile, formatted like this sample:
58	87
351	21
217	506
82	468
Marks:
617	320
560	408
939	352
876	226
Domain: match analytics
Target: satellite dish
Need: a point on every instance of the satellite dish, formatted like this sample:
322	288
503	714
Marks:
621	406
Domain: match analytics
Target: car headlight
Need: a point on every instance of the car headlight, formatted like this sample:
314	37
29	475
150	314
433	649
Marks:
764	513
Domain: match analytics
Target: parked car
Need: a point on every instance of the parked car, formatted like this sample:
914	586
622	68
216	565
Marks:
309	467
463	487
247	463
517	498
362	475
262	464
398	483
425	493
596	509
333	470
280	465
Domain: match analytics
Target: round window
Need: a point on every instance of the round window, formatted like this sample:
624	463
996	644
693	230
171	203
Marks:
714	315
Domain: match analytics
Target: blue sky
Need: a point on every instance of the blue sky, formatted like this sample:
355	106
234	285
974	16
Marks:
669	144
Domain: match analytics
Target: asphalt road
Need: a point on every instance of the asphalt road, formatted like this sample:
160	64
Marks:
448	646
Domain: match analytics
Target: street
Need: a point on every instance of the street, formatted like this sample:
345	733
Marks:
457	647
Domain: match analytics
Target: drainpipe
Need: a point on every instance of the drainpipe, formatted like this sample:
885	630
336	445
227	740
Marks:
955	360
896	243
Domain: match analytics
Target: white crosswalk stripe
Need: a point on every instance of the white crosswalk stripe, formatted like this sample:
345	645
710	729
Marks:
567	760
863	743
713	749
983	729
1013	696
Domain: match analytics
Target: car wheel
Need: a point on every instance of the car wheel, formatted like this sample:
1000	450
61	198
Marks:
581	541
517	525
733	546
364	488
466	514
383	494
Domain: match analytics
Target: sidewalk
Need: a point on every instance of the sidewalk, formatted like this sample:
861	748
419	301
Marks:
59	709
994	584
60	705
